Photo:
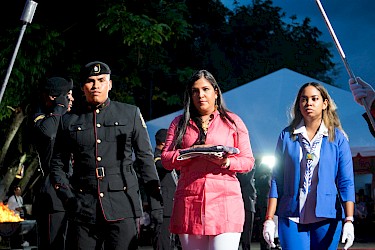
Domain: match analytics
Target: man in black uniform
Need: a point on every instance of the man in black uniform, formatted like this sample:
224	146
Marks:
163	239
56	100
102	196
249	196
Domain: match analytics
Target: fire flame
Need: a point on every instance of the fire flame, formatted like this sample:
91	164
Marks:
7	215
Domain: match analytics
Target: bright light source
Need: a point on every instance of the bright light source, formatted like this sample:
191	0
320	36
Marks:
269	161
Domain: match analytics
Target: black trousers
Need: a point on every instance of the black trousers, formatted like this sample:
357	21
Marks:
52	230
164	239
247	230
117	235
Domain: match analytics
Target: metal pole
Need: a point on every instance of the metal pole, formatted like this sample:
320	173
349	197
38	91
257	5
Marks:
26	17
343	58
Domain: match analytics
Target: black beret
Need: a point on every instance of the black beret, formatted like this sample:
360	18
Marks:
161	135
56	86
93	69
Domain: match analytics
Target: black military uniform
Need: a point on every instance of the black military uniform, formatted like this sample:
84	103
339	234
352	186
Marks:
164	240
44	123
102	195
249	196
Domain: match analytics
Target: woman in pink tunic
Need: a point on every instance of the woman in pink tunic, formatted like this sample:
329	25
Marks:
208	211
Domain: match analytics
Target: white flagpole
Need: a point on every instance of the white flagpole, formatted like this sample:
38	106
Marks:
343	57
27	17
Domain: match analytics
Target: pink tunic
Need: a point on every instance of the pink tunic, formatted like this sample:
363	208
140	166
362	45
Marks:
208	198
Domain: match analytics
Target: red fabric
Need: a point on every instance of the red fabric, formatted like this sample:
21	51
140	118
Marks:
373	110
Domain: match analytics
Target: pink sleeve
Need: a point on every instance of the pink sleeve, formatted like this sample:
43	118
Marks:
169	154
244	161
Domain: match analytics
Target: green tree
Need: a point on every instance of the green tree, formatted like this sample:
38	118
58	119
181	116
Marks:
152	48
264	43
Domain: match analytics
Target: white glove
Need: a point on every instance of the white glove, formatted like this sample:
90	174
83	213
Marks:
362	90
348	235
269	228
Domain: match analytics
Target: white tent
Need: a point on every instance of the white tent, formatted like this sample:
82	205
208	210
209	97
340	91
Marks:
264	106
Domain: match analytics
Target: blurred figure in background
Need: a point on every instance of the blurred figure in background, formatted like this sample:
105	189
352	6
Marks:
262	184
164	239
15	202
249	196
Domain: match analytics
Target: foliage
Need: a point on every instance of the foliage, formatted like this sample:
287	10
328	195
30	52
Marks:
149	43
38	49
147	31
153	47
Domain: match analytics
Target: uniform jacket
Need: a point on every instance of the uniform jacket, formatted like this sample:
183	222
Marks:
335	175
44	126
168	184
249	193
103	139
208	198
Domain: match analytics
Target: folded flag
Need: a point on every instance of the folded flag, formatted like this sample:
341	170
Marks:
217	151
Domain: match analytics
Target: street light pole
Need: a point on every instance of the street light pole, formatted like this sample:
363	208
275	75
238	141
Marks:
26	17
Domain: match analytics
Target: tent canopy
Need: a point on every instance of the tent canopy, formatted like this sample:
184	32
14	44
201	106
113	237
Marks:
264	106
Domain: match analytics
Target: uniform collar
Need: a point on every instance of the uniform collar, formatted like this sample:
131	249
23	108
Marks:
301	129
99	106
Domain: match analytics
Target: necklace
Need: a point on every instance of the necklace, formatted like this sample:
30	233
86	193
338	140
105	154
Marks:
205	123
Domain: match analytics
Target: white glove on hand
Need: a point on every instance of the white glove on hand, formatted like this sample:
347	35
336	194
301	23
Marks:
269	228
348	235
362	90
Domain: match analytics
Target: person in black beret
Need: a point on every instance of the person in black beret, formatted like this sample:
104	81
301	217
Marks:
102	196
56	100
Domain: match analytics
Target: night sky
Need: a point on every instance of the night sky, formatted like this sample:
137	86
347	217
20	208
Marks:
353	23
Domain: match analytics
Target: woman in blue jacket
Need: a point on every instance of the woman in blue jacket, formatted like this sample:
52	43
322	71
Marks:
312	187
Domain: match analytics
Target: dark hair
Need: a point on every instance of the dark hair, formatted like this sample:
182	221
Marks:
190	112
160	136
329	115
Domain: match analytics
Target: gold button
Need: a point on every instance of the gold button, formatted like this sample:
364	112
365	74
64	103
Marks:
79	128
98	125
116	123
98	141
124	188
98	158
97	111
101	195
